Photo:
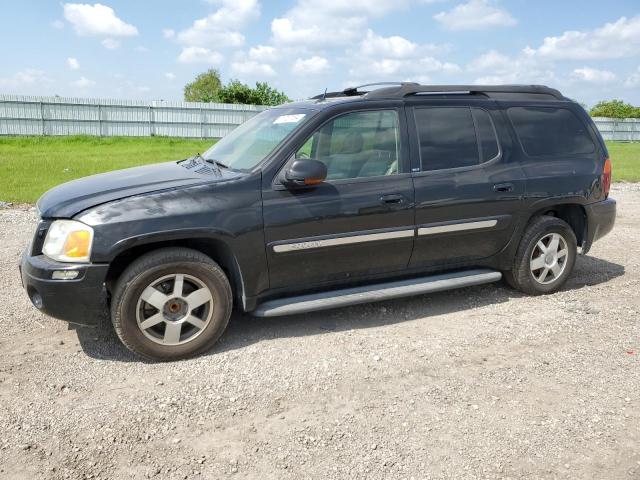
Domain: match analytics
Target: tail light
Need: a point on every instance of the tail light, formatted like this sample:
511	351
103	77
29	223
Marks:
606	177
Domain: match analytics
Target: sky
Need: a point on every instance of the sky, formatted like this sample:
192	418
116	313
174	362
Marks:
136	49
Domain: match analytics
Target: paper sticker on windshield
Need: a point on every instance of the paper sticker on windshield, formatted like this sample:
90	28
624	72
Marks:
295	118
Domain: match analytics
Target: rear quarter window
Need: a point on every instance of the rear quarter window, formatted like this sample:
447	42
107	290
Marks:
550	131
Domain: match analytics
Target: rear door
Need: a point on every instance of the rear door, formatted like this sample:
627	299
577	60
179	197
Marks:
360	221
469	187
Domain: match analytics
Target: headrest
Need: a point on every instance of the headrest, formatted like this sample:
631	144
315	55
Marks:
352	143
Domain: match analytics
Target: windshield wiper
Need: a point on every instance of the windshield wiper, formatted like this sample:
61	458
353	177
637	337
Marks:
218	163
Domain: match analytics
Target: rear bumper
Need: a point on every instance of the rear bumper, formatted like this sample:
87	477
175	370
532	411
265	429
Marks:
601	216
81	300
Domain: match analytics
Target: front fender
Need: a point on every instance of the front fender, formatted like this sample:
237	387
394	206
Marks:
230	213
176	235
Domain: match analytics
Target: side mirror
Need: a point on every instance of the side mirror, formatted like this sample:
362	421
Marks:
304	173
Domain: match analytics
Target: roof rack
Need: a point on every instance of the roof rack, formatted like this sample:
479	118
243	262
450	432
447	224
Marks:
356	91
405	89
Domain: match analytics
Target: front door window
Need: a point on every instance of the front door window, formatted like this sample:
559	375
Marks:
359	144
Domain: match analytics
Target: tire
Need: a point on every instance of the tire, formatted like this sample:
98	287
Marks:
531	260
154	312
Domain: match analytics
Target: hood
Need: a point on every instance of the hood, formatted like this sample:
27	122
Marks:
68	199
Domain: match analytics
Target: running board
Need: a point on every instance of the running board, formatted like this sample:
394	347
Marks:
374	293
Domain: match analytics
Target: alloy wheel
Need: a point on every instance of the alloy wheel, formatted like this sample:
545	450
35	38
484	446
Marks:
549	258
174	309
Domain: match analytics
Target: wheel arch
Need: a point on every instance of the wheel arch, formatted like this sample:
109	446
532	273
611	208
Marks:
215	248
574	214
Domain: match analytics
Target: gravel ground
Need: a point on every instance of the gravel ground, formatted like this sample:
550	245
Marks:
475	383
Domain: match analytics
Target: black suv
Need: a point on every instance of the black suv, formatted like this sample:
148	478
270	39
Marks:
349	197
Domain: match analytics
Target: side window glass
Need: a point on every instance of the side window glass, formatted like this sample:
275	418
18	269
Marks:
550	131
486	135
358	144
307	148
447	138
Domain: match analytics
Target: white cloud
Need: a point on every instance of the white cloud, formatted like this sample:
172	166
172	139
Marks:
141	49
57	24
170	75
430	64
613	40
548	63
519	72
496	68
110	43
475	15
408	68
73	63
168	33
264	53
200	55
491	60
633	80
221	27
22	79
252	68
284	32
96	19
387	66
327	23
394	46
83	82
593	75
377	58
310	66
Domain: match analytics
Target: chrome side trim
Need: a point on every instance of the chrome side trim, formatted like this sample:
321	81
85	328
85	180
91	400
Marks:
457	227
332	242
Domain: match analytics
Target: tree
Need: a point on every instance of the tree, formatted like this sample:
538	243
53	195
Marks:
207	87
263	94
267	95
614	109
204	88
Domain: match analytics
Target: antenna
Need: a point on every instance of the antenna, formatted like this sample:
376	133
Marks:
324	95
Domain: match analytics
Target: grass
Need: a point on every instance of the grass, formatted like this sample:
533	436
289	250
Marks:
625	158
32	165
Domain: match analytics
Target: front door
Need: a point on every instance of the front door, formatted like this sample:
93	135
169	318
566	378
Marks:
360	221
469	186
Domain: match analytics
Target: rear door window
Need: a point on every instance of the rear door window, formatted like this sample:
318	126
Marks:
452	137
550	131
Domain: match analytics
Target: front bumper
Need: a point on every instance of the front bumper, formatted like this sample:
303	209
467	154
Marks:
81	300
601	216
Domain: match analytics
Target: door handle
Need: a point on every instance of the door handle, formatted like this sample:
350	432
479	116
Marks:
503	187
392	199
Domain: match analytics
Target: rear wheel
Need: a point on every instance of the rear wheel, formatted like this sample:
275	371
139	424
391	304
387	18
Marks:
545	257
170	304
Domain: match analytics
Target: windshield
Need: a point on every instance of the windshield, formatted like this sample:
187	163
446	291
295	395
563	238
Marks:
251	142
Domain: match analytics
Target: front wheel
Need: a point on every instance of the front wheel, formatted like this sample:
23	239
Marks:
170	304
545	257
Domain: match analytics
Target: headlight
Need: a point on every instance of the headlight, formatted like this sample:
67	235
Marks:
68	241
